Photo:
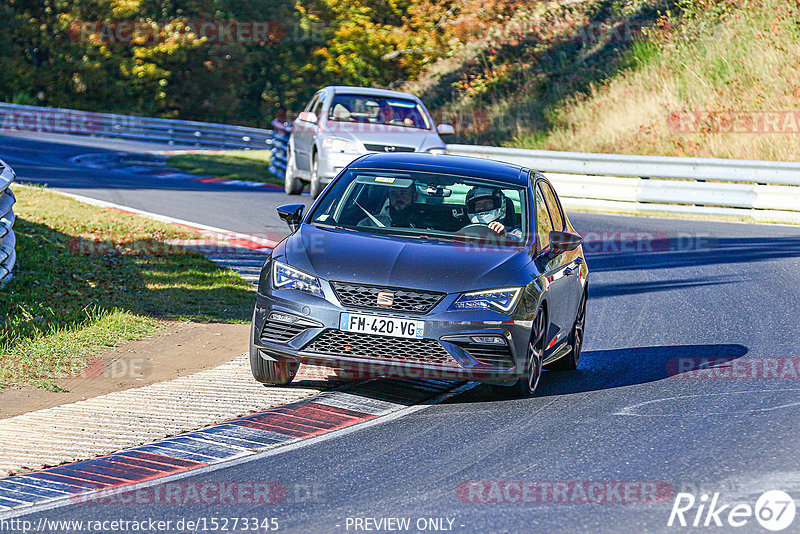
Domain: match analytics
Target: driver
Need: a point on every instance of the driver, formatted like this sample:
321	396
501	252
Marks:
487	205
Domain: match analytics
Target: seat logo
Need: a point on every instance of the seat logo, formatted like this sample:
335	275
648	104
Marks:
385	298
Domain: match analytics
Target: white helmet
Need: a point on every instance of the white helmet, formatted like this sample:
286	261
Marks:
495	213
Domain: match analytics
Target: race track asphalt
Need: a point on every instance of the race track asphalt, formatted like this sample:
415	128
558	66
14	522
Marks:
664	293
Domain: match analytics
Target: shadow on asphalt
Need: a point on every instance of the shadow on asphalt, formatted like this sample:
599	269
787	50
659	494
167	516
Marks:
613	368
601	290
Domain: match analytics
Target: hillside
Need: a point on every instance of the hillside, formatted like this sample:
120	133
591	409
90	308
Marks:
715	78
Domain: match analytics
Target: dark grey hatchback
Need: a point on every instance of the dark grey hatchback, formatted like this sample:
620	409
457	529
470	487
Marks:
422	265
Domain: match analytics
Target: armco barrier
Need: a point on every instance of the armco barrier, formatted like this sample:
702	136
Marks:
761	190
280	144
8	253
15	117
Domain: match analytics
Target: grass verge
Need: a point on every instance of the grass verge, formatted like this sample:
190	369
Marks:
90	277
250	165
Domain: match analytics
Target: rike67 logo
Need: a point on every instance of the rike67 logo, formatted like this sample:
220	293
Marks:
774	510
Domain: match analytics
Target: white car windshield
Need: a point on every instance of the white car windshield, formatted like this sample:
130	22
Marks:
367	109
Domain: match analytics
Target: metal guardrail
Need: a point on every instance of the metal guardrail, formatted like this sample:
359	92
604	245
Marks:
8	241
762	190
16	117
759	189
280	144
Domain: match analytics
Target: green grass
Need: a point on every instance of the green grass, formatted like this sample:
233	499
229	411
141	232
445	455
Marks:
250	165
89	277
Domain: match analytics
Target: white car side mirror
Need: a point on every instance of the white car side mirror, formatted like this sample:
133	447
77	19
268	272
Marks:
307	116
445	129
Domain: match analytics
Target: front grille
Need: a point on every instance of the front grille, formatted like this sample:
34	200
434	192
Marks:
382	148
403	300
281	332
498	356
355	345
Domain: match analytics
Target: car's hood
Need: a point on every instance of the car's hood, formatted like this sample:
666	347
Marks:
380	134
344	255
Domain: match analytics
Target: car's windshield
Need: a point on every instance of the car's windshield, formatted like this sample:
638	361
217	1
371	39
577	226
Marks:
424	204
369	109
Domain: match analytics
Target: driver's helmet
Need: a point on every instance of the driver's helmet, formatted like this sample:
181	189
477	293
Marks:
476	199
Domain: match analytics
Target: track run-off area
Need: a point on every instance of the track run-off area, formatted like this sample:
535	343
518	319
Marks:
605	448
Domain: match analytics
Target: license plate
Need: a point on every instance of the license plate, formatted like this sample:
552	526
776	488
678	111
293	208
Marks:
382	326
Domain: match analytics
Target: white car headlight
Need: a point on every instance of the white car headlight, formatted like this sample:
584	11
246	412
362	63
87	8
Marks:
287	277
492	299
337	144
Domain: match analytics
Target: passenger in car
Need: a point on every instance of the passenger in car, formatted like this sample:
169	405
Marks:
401	210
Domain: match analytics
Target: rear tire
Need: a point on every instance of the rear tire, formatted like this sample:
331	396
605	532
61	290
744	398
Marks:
315	187
569	362
526	385
291	183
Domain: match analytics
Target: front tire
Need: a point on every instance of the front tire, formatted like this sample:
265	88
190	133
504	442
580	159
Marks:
291	183
279	372
315	188
527	384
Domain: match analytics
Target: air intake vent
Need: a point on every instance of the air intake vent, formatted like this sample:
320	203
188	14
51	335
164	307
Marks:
355	345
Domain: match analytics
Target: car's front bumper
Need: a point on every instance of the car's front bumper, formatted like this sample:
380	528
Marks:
449	357
331	163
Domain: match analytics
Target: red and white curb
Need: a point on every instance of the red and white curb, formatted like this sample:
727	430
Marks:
221	445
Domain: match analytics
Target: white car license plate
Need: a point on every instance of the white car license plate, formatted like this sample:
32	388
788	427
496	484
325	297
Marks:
382	326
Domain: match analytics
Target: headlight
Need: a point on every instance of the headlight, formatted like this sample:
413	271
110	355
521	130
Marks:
337	144
492	299
287	277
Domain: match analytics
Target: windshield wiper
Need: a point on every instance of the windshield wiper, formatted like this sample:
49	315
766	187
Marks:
334	226
371	216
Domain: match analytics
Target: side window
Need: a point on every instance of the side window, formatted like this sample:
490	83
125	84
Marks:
543	224
552	206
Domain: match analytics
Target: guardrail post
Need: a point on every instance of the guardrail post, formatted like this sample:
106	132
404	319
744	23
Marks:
8	253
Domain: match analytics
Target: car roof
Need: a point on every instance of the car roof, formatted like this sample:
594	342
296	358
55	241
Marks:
445	163
347	89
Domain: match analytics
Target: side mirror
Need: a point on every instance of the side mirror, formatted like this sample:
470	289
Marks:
564	242
445	129
292	214
307	116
